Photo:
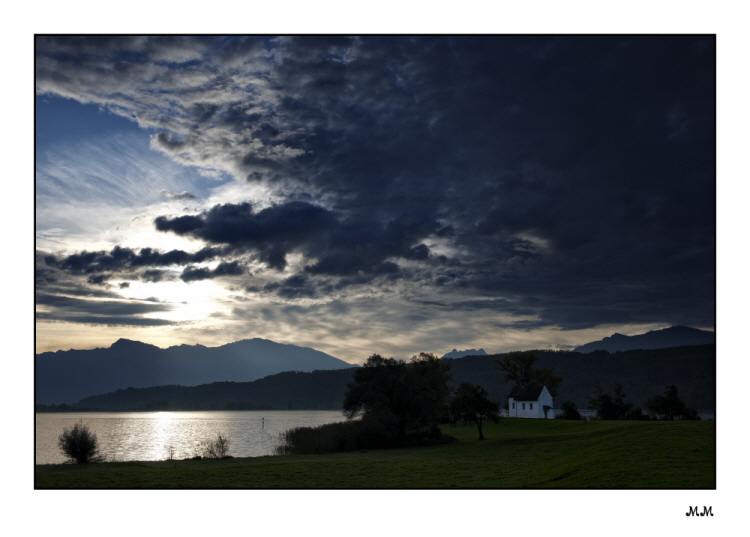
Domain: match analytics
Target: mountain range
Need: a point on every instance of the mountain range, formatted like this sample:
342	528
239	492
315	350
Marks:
641	373
674	336
68	376
460	354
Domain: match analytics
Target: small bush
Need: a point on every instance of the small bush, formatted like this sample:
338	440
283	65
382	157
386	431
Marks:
217	448
79	444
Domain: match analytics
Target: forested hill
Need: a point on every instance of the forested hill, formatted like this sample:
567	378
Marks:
643	374
292	390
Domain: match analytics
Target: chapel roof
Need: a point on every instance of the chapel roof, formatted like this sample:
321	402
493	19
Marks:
526	393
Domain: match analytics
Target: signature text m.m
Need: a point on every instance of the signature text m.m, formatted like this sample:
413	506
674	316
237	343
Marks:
693	511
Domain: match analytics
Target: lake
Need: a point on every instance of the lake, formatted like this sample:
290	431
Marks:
146	436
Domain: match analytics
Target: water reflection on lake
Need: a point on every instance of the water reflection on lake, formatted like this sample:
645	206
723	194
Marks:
144	436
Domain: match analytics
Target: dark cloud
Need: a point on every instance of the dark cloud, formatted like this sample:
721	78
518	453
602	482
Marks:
297	287
103	307
342	247
94	311
78	298
153	276
573	174
120	258
239	225
191	274
273	232
291	288
99	279
110	320
178	195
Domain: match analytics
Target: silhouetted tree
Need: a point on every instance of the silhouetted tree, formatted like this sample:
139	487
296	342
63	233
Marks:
614	407
671	406
603	404
470	404
518	365
396	398
569	411
79	444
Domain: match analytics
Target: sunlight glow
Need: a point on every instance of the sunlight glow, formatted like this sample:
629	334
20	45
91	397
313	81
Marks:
193	301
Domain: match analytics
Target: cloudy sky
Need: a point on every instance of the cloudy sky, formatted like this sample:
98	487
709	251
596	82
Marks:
374	194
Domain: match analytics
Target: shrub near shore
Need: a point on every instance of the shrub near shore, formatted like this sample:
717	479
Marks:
352	436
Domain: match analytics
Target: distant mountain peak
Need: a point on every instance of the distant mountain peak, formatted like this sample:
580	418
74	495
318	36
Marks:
680	328
468	352
124	343
674	336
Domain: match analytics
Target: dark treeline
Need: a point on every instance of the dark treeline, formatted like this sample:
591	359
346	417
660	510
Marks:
292	390
62	408
642	374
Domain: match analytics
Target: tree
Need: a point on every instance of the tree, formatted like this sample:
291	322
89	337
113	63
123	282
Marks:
604	405
79	444
395	398
518	367
671	406
615	407
569	411
470	404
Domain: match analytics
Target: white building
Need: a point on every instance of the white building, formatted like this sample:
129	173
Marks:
532	401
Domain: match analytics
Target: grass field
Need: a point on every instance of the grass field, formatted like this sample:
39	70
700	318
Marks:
517	453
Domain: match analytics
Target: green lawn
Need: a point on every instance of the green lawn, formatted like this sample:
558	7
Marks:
517	453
